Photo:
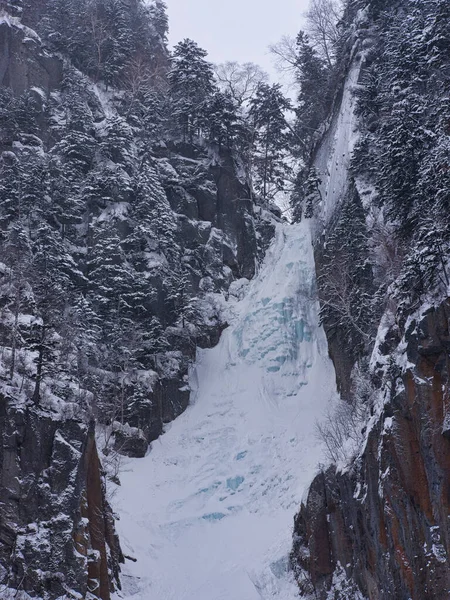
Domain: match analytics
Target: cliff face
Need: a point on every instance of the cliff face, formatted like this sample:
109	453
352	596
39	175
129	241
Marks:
223	234
384	521
23	62
149	226
376	523
57	529
156	228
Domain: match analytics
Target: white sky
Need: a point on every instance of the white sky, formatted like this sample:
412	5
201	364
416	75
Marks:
238	30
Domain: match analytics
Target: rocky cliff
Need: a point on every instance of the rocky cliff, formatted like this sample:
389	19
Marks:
376	522
57	529
383	523
119	240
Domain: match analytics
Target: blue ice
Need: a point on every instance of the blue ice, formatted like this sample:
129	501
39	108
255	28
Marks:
217	516
234	482
212	488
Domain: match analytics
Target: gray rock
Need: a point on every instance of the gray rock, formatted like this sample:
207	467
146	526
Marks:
130	441
23	63
54	512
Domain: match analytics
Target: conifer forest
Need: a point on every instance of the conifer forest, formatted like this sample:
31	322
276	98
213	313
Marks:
224	306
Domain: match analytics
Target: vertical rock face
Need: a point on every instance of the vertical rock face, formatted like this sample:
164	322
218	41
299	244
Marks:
376	524
23	63
57	530
386	520
224	234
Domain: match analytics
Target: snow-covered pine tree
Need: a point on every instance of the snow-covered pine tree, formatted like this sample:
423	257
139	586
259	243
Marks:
267	112
221	120
345	277
191	81
312	76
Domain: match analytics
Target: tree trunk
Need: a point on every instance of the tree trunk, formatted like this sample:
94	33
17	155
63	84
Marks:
14	334
37	388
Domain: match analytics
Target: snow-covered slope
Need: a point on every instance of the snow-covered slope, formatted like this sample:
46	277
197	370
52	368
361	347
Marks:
208	513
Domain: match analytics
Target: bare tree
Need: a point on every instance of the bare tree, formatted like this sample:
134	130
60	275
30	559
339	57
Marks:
388	252
100	36
285	55
240	80
322	21
341	429
342	295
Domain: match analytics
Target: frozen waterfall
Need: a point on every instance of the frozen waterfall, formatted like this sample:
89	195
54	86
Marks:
208	513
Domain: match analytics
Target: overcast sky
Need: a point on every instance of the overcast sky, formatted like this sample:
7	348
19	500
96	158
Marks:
235	29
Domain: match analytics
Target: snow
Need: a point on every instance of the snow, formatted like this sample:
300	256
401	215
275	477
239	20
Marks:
208	513
115	210
333	158
104	97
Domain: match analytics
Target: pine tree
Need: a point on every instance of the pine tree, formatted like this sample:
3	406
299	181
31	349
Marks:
191	81
221	120
267	111
107	272
51	274
159	19
312	103
10	193
152	218
312	196
17	255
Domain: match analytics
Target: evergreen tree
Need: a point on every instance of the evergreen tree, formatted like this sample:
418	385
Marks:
152	217
312	196
159	18
221	120
10	193
267	111
110	278
17	255
191	81
312	103
52	271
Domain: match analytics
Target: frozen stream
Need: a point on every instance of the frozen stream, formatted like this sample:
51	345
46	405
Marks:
208	513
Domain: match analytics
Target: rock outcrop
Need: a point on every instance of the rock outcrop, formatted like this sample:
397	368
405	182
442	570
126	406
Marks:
57	529
224	234
384	522
24	64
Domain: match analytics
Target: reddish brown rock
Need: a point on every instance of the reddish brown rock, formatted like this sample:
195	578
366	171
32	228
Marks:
56	527
386	520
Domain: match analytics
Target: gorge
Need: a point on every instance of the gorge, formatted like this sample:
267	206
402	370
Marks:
200	398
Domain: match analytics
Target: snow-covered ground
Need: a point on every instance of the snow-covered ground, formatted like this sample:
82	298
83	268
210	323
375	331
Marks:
208	513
